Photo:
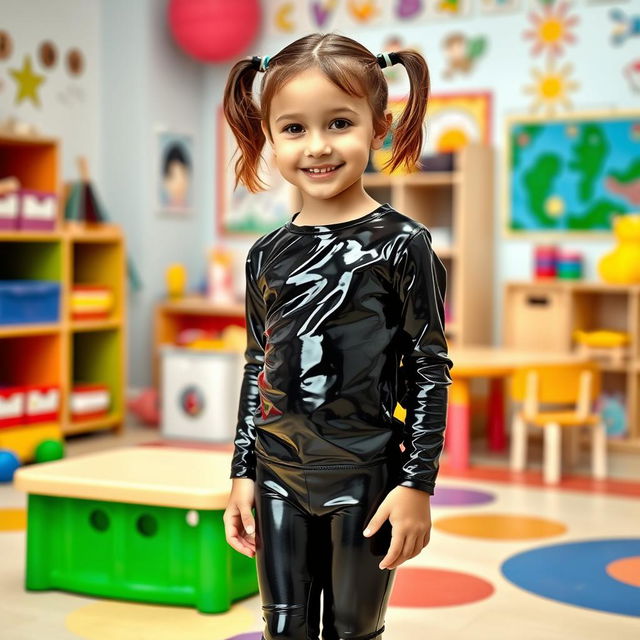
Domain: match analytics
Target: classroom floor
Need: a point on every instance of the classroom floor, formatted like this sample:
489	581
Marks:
508	557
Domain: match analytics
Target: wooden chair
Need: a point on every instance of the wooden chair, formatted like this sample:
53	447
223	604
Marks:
577	385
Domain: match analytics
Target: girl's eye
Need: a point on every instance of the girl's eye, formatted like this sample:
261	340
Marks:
347	123
288	128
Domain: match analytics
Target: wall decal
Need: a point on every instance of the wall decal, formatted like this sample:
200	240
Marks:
75	62
6	45
321	12
27	82
363	11
409	9
551	29
48	54
551	87
282	18
448	9
624	26
632	73
462	52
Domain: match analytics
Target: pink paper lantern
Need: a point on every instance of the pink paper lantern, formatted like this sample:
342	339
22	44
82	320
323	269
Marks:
214	30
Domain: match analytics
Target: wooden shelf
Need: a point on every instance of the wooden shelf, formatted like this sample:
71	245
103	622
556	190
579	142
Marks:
95	424
199	305
67	351
96	325
557	308
18	330
30	236
191	312
461	202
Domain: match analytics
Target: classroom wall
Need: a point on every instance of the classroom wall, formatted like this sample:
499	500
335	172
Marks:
148	84
137	81
69	107
504	70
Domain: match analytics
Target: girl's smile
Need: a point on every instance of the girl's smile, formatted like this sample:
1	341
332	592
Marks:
322	172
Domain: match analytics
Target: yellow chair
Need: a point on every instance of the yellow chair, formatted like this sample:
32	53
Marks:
577	385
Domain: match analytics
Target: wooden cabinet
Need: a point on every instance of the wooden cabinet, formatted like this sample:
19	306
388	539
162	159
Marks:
544	314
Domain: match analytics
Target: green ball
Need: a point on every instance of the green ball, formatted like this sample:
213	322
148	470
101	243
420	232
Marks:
49	450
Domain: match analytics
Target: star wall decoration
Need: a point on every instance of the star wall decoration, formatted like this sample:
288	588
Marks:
27	82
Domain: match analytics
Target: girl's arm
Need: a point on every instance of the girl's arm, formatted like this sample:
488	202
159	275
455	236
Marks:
243	461
420	279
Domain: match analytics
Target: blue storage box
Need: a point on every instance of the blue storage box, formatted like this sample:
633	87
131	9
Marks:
26	301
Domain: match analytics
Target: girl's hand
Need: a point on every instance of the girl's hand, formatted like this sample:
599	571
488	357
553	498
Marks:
239	523
409	512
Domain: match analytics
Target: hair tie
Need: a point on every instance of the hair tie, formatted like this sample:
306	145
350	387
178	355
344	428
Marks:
260	64
388	59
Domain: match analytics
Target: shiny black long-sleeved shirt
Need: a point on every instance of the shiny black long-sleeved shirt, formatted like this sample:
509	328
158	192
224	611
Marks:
332	311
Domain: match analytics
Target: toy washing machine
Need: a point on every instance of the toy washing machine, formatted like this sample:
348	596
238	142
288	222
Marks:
200	393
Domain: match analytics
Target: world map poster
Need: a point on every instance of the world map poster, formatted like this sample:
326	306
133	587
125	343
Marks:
572	175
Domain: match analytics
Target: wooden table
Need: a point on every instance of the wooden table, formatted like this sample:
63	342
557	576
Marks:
495	363
137	523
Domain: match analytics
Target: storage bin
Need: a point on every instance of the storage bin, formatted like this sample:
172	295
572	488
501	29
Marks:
38	210
42	403
11	406
9	210
89	401
26	301
200	393
91	302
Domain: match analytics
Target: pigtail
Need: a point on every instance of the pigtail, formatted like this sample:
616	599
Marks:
243	115
408	134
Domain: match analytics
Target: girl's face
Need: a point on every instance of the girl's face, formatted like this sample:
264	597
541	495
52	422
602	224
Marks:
316	124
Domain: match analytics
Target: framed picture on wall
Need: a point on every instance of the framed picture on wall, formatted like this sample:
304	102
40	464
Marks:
175	172
453	120
239	211
570	174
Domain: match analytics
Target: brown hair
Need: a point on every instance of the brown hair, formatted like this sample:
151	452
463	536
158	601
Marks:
351	67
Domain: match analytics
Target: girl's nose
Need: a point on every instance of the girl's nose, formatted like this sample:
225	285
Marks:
317	145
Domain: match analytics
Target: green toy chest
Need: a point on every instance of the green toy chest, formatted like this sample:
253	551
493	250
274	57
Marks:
175	555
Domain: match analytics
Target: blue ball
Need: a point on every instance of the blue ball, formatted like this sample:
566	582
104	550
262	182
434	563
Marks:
9	462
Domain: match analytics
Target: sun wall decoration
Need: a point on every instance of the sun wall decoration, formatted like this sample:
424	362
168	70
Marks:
551	31
551	87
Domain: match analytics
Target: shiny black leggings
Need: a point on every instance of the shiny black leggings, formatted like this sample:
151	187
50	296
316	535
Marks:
309	542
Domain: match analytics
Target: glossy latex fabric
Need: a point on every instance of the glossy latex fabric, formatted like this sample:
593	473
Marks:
310	550
332	310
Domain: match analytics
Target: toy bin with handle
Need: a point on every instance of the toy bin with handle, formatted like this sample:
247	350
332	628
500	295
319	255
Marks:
29	301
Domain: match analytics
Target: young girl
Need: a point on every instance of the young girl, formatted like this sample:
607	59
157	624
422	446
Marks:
334	302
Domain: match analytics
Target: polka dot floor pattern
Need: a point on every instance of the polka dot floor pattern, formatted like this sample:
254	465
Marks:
505	558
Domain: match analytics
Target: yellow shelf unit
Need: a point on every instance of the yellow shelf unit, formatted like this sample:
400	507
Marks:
68	351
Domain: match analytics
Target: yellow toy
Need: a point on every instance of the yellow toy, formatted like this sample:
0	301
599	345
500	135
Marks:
605	343
176	280
622	265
